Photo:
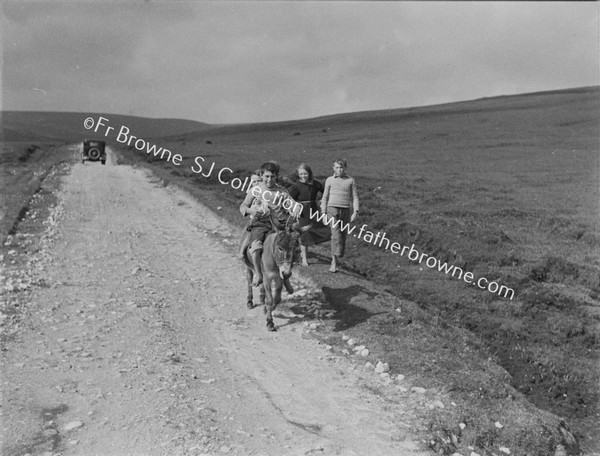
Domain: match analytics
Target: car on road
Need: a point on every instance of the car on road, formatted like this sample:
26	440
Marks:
93	150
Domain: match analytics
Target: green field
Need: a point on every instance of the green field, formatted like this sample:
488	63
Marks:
505	187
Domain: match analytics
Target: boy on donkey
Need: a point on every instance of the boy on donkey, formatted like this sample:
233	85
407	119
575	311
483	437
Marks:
277	203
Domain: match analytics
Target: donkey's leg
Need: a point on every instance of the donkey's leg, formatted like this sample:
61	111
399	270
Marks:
268	283
262	295
277	293
288	286
249	275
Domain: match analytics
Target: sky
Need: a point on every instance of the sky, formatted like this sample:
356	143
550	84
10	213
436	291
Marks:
245	62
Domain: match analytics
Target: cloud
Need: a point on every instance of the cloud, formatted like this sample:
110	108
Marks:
80	54
260	61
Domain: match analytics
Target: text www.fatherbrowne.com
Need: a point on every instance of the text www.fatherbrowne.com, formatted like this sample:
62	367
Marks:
381	240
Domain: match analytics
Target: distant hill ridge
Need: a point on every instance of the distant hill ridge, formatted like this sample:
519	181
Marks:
68	126
534	99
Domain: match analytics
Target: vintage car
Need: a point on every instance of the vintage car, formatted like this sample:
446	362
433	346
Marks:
93	150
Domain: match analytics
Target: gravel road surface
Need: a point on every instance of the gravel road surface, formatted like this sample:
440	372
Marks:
139	342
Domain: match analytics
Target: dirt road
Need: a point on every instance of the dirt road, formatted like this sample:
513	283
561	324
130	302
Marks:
137	341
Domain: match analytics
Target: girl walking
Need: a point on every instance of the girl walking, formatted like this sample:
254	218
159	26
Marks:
305	191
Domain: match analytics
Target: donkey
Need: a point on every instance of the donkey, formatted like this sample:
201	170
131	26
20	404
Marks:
280	252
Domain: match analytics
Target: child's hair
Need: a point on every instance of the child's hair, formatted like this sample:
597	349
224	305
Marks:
340	161
270	166
255	179
308	170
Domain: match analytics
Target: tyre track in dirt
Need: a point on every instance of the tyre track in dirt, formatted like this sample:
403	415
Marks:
143	338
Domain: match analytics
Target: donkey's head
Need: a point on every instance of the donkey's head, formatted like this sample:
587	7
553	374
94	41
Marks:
286	247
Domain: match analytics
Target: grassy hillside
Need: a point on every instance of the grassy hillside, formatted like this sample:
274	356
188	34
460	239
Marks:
506	187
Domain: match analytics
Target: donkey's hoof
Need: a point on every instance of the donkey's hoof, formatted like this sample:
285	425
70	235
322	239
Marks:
250	305
271	326
288	287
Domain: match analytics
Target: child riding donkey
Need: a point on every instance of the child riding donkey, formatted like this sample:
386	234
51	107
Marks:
274	202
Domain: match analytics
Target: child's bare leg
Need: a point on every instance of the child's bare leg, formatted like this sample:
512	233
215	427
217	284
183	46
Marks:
256	261
304	254
244	246
333	267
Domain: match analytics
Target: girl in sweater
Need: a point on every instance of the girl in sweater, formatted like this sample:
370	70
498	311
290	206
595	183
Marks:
340	203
